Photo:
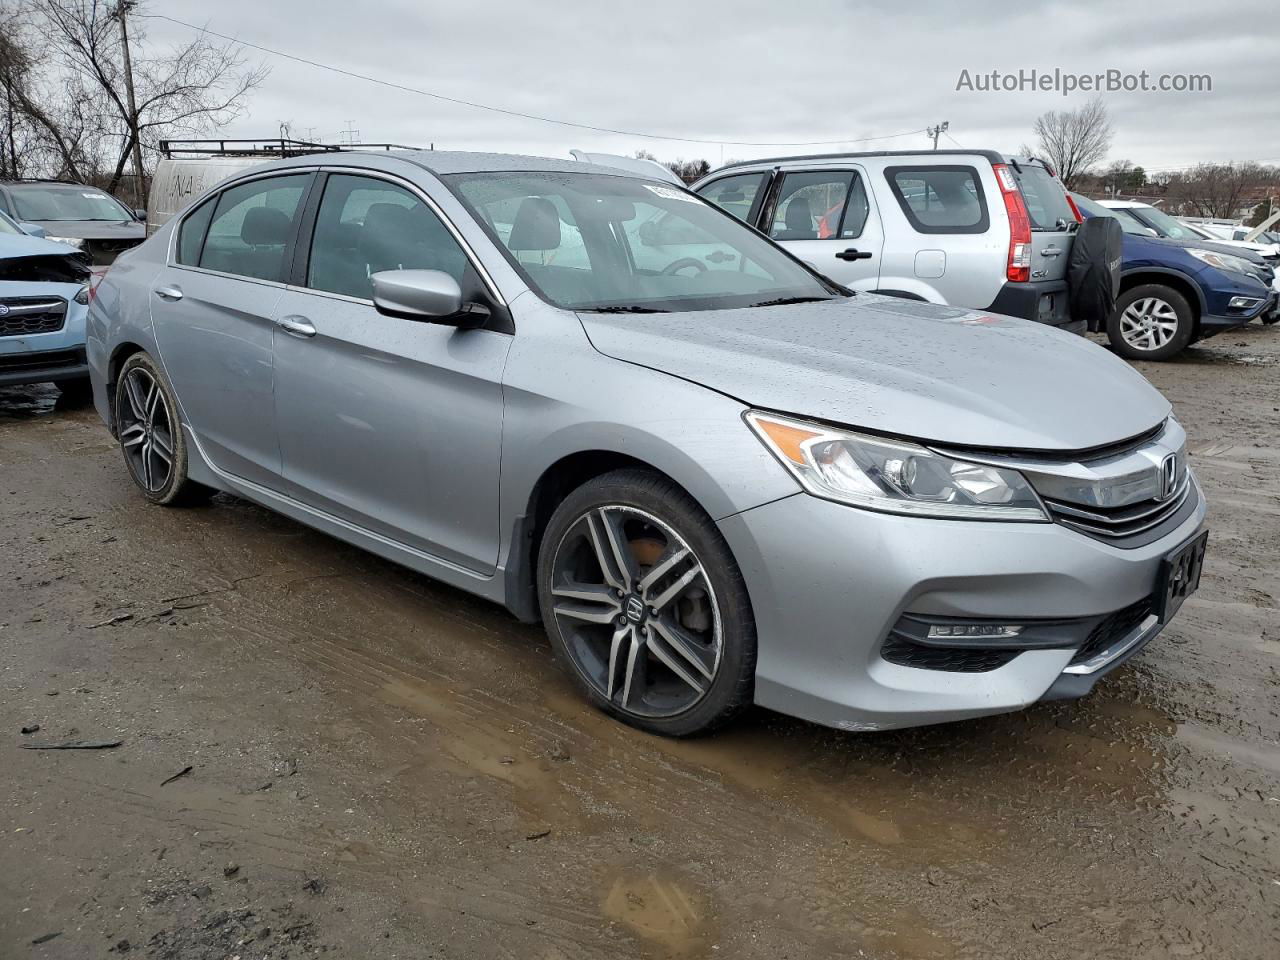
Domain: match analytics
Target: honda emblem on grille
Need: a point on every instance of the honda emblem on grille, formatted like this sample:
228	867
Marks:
1168	476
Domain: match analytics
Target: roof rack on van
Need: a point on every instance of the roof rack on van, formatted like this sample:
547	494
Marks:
274	147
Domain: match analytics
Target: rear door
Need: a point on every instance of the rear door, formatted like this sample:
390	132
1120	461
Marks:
212	308
828	219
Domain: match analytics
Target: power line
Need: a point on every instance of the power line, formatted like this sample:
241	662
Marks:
517	113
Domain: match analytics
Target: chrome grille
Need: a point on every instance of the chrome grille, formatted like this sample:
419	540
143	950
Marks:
1118	522
21	316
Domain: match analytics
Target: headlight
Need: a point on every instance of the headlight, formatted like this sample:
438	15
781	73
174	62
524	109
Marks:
892	475
1223	261
82	295
77	242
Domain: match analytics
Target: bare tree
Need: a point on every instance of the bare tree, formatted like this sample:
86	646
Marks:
1074	140
78	101
1224	190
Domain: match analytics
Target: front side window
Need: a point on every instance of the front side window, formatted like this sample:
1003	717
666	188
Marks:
940	199
253	226
61	201
1163	224
7	225
587	241
811	205
736	195
365	225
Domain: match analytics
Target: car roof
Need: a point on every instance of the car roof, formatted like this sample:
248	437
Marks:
445	162
38	182
992	155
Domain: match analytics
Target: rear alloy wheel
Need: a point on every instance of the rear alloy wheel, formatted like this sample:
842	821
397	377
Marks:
150	435
1150	322
645	605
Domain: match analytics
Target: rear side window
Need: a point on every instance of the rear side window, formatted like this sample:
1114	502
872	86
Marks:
735	195
1045	197
253	227
191	233
940	199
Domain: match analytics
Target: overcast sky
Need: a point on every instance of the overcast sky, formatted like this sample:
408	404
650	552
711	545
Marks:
751	71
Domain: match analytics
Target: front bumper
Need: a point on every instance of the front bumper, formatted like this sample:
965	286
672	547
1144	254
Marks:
42	357
828	583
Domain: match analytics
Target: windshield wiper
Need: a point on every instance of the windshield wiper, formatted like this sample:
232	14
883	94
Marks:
627	308
785	301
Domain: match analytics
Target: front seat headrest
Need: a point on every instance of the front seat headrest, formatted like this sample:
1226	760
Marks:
799	217
536	227
389	235
265	227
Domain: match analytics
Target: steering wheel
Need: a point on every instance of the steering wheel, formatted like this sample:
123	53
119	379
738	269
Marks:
671	268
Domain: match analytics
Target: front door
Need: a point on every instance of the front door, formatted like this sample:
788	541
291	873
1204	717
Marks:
212	312
828	219
392	425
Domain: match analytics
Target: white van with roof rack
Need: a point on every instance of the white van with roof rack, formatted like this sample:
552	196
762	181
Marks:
971	228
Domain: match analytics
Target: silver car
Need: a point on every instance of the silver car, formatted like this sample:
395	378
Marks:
715	476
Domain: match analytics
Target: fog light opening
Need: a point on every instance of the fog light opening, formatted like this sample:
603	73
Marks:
985	631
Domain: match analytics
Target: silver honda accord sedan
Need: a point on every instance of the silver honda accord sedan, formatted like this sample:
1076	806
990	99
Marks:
717	477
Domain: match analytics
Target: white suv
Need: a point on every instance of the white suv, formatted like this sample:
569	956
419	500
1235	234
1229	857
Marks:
971	228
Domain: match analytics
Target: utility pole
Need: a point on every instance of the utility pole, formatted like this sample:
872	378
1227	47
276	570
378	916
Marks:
123	7
937	130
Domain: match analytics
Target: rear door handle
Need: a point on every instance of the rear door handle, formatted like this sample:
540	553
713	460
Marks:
853	254
296	326
169	292
1050	252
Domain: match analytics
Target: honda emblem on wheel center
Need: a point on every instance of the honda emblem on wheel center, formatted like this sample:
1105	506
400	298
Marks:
635	609
1168	476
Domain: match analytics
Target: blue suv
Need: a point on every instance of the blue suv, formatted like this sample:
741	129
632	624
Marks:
1175	292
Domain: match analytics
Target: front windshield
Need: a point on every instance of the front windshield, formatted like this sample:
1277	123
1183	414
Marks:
65	202
1165	225
587	241
1092	208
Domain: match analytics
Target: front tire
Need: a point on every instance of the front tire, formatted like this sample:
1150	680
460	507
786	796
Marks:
645	606
150	435
1151	322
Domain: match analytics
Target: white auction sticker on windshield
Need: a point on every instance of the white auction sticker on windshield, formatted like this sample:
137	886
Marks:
94	196
669	193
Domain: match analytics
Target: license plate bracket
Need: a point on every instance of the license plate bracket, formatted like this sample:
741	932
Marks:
1180	576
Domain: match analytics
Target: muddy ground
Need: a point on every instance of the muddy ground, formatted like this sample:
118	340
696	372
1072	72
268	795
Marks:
381	766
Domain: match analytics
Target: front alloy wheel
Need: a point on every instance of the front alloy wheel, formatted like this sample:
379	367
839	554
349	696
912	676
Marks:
643	601
1150	322
146	430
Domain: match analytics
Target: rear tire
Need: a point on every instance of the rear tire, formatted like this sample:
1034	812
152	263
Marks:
645	606
1151	322
151	437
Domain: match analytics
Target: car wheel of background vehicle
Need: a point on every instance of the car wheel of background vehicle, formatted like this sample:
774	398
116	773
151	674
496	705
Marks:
155	450
1150	322
645	605
76	393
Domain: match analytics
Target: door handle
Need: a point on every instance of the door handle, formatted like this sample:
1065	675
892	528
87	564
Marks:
853	254
296	326
1050	252
169	292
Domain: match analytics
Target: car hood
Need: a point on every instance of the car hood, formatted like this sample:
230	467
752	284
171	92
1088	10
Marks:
12	245
95	229
1242	252
912	369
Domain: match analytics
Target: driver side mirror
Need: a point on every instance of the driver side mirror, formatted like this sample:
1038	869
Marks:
140	214
1151	232
34	230
427	296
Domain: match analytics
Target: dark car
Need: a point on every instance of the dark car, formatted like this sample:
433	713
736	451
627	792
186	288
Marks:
1175	292
84	217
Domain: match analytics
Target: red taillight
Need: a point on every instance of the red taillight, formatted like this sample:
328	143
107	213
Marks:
1074	209
1019	268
